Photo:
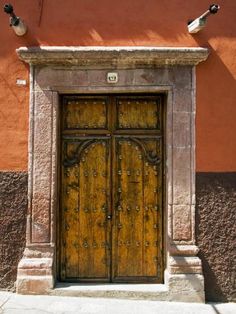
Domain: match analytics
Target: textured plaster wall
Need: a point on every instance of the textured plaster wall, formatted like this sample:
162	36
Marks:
216	233
13	203
134	23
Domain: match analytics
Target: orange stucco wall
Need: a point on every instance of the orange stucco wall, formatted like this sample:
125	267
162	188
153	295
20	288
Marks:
118	23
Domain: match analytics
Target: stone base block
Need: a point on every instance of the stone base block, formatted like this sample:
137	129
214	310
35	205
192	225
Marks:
185	287
34	284
35	276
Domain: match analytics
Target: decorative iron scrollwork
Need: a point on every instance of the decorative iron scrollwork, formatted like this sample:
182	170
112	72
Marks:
151	156
77	154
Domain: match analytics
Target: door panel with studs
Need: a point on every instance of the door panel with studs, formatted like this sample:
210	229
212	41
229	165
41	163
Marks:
142	113
85	113
138	223
85	201
111	190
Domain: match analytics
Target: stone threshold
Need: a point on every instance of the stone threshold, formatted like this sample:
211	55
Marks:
110	290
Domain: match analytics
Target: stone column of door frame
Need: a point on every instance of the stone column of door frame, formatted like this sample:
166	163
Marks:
184	269
36	270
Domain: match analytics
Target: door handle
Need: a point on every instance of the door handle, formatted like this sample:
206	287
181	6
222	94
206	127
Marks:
109	217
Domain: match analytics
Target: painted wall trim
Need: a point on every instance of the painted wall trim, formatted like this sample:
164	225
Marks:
119	57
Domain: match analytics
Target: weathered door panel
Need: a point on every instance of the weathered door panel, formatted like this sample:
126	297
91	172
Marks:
138	113
85	113
138	222
85	202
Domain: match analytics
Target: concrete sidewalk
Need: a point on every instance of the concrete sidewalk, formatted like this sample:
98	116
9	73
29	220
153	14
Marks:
11	303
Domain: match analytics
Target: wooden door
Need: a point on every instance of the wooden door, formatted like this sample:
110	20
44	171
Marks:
111	191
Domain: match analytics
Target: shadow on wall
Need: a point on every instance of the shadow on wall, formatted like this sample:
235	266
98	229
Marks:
216	93
135	22
124	22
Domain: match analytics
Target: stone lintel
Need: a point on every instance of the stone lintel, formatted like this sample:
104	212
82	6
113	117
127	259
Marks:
113	57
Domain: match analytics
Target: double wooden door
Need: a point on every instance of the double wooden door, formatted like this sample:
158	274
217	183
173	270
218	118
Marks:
111	188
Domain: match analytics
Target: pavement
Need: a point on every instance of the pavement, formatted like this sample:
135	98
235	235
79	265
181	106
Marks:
11	303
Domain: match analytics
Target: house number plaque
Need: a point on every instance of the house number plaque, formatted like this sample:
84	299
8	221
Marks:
112	77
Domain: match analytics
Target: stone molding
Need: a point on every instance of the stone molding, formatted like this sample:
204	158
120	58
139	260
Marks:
120	57
60	70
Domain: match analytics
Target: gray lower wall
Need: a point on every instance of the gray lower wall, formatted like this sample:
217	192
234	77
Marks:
216	233
13	206
215	230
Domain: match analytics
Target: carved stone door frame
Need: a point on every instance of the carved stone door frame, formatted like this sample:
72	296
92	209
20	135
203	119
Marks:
59	70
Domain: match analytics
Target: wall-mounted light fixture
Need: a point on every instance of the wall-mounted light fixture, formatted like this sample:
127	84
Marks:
15	22
200	22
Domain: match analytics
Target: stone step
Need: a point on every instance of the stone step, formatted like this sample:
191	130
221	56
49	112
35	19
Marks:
119	291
